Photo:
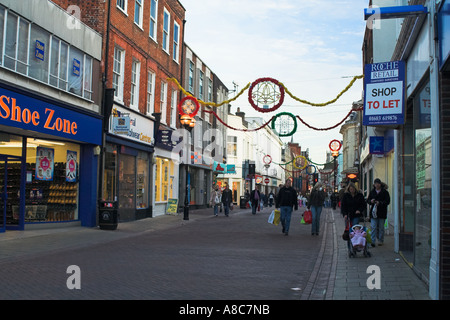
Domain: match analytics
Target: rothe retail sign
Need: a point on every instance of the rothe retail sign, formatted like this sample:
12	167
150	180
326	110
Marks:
384	91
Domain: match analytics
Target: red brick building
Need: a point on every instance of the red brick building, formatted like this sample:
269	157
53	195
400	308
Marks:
142	49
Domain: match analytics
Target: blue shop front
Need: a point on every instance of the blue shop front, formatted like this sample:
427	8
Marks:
48	161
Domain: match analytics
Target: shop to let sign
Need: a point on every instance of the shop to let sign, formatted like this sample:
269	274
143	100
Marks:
384	91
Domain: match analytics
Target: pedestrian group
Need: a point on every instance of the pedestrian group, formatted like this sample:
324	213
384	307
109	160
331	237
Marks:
352	202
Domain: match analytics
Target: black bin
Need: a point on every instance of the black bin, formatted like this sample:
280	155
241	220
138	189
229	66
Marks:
243	203
107	215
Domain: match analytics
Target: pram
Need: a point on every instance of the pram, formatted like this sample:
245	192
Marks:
359	246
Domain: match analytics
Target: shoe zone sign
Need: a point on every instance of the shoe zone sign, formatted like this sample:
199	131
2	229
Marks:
384	92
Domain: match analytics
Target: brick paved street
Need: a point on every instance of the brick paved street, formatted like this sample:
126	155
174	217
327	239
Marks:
234	258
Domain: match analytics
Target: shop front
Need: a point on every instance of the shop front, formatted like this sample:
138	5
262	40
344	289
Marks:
127	174
48	161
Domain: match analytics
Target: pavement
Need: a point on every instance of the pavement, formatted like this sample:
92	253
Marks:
334	276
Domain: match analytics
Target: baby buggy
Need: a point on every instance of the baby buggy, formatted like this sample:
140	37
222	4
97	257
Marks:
356	240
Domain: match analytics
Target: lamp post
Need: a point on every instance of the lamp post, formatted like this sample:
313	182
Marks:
187	108
335	146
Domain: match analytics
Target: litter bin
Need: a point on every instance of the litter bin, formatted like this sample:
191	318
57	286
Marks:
107	215
243	202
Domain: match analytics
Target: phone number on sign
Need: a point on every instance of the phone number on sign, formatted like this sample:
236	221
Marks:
382	118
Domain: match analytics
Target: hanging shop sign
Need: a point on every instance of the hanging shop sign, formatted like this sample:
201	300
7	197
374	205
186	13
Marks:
376	145
384	94
140	128
443	34
29	113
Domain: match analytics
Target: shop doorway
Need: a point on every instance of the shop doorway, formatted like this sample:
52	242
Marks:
9	190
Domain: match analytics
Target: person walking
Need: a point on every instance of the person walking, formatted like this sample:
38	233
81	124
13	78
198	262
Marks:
353	205
315	204
227	200
215	200
286	200
271	197
255	198
378	199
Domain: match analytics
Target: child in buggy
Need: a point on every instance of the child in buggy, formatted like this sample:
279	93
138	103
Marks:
357	241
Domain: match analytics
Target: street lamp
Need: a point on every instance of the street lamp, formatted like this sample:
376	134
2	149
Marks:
335	146
187	109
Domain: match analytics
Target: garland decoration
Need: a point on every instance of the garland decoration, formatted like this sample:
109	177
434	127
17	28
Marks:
211	104
305	162
237	129
329	128
325	103
311	166
264	91
275	96
267	159
284	125
188	106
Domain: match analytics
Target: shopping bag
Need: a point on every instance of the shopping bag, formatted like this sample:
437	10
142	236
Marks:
307	216
271	217
369	235
303	221
277	217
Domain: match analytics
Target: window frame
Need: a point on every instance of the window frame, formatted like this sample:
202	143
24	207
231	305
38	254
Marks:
125	6
154	20
176	42
134	84
166	33
151	94
139	3
118	93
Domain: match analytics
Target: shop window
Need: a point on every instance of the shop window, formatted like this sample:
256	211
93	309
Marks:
16	44
32	51
142	180
76	72
2	25
109	183
127	181
39	51
52	173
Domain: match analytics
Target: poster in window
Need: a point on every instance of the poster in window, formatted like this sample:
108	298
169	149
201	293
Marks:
71	166
45	163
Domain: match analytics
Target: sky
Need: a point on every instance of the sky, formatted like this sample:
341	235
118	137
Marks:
314	47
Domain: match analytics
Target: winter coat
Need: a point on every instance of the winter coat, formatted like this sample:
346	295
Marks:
252	198
287	197
227	197
350	204
384	200
215	193
316	198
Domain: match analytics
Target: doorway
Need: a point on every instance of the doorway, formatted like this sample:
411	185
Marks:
10	176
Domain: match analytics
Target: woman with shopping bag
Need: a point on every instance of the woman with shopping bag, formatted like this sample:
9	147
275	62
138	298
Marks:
378	200
216	200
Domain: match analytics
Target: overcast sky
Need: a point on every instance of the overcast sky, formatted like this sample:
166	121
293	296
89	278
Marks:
314	47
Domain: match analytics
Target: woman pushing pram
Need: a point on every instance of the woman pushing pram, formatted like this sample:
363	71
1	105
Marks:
353	209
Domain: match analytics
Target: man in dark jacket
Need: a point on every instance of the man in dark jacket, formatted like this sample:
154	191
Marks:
378	200
227	200
286	200
255	199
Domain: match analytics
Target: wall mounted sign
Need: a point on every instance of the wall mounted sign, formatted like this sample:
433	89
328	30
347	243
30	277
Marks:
140	127
29	113
384	94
